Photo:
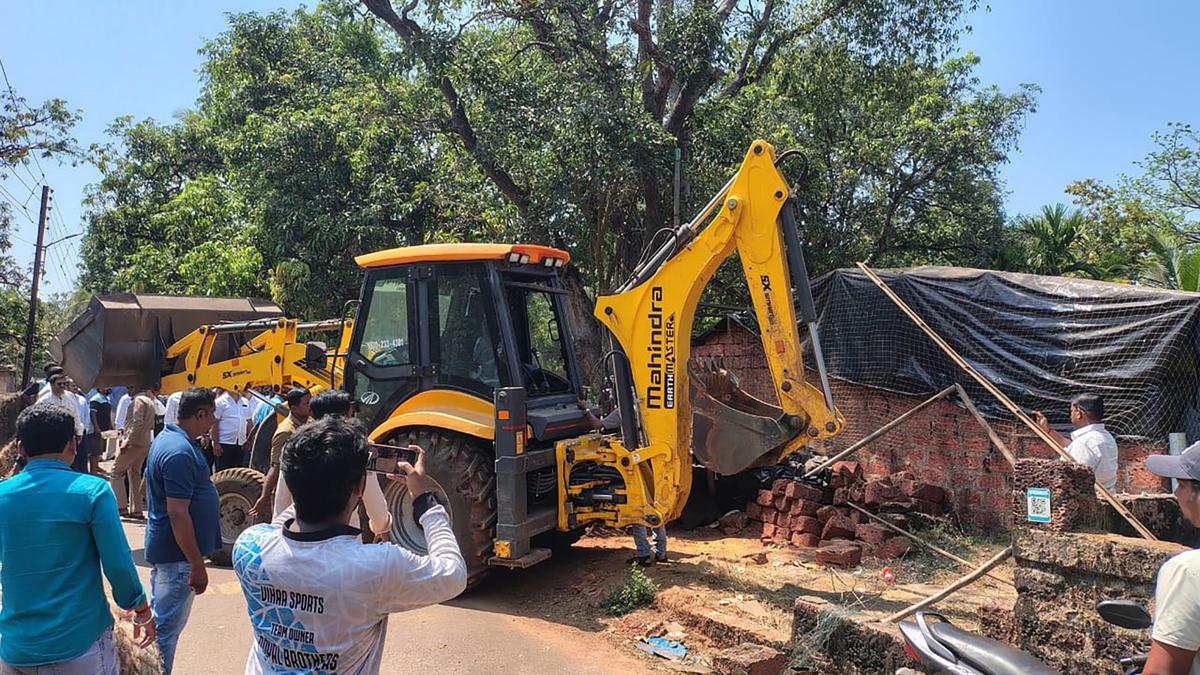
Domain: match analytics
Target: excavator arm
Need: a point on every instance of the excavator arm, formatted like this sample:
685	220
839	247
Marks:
650	318
272	357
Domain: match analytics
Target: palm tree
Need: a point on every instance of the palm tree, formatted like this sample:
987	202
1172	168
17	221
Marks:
1171	263
1053	242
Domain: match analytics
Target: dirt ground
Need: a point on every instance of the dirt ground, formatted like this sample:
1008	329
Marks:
722	590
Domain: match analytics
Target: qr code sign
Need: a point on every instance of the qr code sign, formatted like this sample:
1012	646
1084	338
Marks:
1037	501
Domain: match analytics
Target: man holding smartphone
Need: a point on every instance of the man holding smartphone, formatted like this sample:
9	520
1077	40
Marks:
319	598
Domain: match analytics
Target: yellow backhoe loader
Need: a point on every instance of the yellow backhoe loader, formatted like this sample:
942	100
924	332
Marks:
462	348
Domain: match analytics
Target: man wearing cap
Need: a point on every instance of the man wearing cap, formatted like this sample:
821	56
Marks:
1176	633
1090	443
297	400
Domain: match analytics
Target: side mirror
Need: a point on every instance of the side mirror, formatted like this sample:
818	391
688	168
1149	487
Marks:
1125	613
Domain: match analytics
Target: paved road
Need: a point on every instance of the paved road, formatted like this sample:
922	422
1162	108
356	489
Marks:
474	634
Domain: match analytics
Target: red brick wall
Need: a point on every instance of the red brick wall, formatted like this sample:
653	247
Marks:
942	445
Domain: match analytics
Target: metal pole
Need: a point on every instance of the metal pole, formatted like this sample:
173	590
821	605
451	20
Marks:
678	160
31	324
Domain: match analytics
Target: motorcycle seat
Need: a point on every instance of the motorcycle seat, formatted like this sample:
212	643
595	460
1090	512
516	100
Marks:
982	653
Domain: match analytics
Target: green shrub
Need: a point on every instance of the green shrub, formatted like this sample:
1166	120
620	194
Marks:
638	590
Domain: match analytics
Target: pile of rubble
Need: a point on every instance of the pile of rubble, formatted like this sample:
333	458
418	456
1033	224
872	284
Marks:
812	516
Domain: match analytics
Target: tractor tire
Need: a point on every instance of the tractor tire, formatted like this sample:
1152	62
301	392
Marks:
237	489
463	470
260	447
557	541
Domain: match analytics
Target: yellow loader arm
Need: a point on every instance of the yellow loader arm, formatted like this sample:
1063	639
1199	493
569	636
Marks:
651	317
273	357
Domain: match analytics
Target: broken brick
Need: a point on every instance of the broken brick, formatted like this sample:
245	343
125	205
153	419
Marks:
805	539
805	507
929	493
754	511
893	548
825	513
898	506
852	471
733	521
927	507
798	490
840	496
880	491
765	498
841	553
806	524
872	534
749	659
768	530
779	487
838	527
904	486
782	503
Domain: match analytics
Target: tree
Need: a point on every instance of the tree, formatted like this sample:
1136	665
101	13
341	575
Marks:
1172	263
27	133
1054	242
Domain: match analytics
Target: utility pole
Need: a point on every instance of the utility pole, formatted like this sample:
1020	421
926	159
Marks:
33	293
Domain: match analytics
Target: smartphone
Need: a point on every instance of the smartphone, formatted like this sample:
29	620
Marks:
386	458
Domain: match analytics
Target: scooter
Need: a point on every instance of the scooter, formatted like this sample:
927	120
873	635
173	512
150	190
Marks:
941	647
1127	614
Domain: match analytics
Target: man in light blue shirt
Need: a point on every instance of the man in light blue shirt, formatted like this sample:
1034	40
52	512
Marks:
58	529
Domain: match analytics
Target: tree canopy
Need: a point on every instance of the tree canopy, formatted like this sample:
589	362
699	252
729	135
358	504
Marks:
325	133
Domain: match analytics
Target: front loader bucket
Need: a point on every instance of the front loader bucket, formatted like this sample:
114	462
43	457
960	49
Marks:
731	430
122	339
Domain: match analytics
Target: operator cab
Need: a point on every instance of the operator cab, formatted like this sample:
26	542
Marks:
468	318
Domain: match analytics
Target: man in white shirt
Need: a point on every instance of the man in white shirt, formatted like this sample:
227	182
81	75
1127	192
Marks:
1176	632
230	432
1090	443
171	416
123	410
318	597
58	395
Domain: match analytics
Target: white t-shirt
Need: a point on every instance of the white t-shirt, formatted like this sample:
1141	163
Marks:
373	501
69	402
171	416
320	601
231	419
1094	446
122	410
1177	604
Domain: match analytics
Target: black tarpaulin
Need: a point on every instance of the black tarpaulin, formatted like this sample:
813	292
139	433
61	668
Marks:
1042	340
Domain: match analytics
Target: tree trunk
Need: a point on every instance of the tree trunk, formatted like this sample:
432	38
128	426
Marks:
586	333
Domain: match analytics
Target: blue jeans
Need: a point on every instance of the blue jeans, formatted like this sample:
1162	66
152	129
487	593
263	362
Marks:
99	659
642	541
171	603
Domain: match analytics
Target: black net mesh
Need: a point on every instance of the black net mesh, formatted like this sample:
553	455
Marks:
1041	340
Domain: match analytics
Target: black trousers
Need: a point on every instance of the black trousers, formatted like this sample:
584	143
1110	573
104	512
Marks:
231	456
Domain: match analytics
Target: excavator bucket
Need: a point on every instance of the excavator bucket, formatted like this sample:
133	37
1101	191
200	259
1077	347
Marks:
731	430
122	339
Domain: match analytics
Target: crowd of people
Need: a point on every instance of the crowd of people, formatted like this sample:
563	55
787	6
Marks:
306	610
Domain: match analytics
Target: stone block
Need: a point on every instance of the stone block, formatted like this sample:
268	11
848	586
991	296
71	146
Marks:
733	522
1073	503
879	491
805	507
806	524
749	659
852	647
841	553
838	527
893	548
799	490
928	492
782	503
768	530
825	513
805	539
754	511
871	533
765	498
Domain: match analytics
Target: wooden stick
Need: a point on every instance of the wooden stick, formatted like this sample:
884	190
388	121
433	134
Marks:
995	438
947	591
922	542
881	431
1004	399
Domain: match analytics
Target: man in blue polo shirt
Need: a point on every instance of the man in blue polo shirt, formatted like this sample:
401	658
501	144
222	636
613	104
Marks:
58	529
183	524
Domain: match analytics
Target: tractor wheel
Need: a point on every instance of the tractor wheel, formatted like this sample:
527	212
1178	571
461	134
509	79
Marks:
558	542
462	469
237	489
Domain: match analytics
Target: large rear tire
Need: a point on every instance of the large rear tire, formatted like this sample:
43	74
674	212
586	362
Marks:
237	489
463	471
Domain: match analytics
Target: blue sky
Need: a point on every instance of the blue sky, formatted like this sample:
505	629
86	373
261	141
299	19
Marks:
1111	73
